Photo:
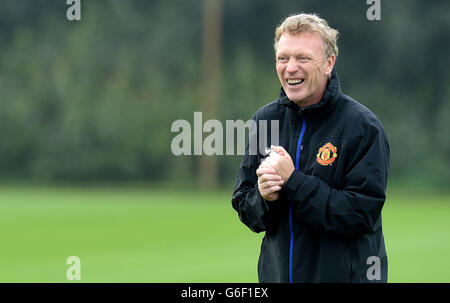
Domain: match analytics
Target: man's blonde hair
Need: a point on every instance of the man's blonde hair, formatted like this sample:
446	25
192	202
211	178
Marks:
309	23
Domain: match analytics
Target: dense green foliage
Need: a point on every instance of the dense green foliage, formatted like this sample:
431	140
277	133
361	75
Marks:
95	99
143	235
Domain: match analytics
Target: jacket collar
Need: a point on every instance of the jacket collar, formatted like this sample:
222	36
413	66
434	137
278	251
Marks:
325	105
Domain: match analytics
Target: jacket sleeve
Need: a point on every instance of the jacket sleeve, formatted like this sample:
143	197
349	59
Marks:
255	212
354	209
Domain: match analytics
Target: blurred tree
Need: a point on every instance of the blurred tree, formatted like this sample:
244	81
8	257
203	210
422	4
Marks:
211	69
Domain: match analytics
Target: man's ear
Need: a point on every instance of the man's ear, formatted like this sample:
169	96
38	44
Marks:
329	64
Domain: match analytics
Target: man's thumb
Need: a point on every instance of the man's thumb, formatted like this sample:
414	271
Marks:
279	149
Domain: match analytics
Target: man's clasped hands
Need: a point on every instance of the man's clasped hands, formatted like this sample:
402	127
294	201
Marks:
273	172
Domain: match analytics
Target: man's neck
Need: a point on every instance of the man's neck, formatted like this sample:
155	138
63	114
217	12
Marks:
316	98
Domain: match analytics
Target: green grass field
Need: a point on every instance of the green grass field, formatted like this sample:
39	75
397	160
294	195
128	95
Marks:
145	235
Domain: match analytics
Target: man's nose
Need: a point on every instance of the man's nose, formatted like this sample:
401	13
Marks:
292	66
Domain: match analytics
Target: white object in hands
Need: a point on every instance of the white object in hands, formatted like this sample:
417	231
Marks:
272	158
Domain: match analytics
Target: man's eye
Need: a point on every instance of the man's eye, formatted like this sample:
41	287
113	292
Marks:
282	59
303	59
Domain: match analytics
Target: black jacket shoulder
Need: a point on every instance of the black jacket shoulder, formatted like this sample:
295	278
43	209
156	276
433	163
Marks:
269	111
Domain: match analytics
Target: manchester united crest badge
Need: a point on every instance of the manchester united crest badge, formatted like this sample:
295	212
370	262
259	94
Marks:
327	154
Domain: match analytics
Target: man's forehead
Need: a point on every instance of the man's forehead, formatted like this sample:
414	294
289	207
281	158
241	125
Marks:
305	41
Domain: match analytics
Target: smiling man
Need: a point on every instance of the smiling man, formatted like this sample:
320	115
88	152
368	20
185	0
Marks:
318	196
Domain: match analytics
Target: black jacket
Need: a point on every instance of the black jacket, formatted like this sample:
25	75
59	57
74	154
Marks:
326	225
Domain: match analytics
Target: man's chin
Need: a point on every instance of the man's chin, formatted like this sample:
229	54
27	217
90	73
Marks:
295	98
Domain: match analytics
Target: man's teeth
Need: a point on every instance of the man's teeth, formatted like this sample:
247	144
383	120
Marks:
294	81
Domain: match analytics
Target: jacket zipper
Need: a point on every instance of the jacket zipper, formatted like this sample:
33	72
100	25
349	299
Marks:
291	230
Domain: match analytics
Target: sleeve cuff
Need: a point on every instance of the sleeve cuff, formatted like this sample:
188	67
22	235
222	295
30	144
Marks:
293	183
269	204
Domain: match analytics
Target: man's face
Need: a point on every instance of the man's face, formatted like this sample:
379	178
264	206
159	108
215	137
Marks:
301	67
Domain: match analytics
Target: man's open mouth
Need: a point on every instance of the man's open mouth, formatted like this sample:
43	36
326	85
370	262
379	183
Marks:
293	82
